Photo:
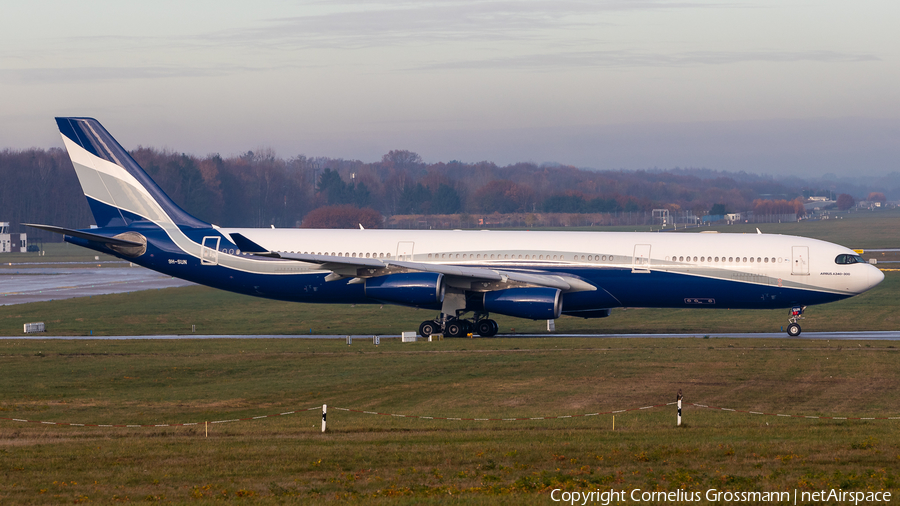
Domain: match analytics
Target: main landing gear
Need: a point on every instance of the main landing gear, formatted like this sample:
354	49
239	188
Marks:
793	329
459	327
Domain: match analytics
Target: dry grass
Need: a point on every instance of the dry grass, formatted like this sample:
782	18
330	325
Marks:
371	458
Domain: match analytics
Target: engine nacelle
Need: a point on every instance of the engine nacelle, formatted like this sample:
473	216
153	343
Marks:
533	303
408	289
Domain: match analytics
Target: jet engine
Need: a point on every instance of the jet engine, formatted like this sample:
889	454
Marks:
408	289
533	303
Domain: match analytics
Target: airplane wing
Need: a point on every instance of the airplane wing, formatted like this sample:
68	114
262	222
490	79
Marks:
361	268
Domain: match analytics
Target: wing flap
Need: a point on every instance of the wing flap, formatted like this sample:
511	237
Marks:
451	270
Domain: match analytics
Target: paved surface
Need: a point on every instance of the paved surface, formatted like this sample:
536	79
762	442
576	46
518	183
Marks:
834	336
23	284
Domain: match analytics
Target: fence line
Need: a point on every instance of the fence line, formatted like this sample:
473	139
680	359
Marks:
798	416
447	418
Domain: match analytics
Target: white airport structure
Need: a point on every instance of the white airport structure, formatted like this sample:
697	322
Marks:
12	243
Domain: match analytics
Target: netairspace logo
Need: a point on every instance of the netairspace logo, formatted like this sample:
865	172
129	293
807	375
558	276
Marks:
637	496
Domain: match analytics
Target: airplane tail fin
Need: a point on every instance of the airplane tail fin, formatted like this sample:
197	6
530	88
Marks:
118	190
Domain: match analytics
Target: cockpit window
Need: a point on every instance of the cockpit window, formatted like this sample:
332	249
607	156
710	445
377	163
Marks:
849	259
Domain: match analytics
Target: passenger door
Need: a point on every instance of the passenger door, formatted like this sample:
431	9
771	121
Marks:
209	250
641	261
800	261
405	250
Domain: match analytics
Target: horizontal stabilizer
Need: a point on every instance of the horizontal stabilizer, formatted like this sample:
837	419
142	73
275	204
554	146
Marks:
86	235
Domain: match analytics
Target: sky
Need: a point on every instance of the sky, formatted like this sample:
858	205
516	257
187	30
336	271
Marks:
778	87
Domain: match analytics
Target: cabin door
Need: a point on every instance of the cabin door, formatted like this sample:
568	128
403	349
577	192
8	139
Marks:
800	261
641	261
405	250
209	250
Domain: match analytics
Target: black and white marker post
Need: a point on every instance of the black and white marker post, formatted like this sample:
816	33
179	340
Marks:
678	398
324	410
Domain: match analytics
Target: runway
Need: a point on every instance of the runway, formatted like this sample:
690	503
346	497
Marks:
363	338
23	284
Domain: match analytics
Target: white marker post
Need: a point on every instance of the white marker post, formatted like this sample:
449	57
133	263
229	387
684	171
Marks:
324	411
376	340
349	340
678	398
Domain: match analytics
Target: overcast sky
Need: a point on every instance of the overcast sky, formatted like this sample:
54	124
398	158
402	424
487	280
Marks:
786	86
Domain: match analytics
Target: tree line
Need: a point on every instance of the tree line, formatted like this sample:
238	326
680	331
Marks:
260	189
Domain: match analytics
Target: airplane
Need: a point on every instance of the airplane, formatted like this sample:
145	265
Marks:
463	275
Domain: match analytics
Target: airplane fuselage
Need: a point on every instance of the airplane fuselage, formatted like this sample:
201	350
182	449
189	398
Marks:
629	269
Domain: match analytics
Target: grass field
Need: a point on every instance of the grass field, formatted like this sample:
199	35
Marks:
385	459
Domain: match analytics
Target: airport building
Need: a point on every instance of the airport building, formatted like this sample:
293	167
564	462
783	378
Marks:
12	243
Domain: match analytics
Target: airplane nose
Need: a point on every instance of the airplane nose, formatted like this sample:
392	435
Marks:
875	276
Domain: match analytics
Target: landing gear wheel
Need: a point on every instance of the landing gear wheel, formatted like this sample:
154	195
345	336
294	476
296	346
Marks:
428	328
455	328
793	330
496	327
486	328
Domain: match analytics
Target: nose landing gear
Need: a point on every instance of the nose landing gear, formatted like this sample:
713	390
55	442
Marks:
793	329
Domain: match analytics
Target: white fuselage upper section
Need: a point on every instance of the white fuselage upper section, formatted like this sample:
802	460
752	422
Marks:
794	261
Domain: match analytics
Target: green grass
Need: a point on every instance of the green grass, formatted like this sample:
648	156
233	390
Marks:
381	459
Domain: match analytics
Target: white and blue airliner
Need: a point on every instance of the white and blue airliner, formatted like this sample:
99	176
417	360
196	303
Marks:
464	276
